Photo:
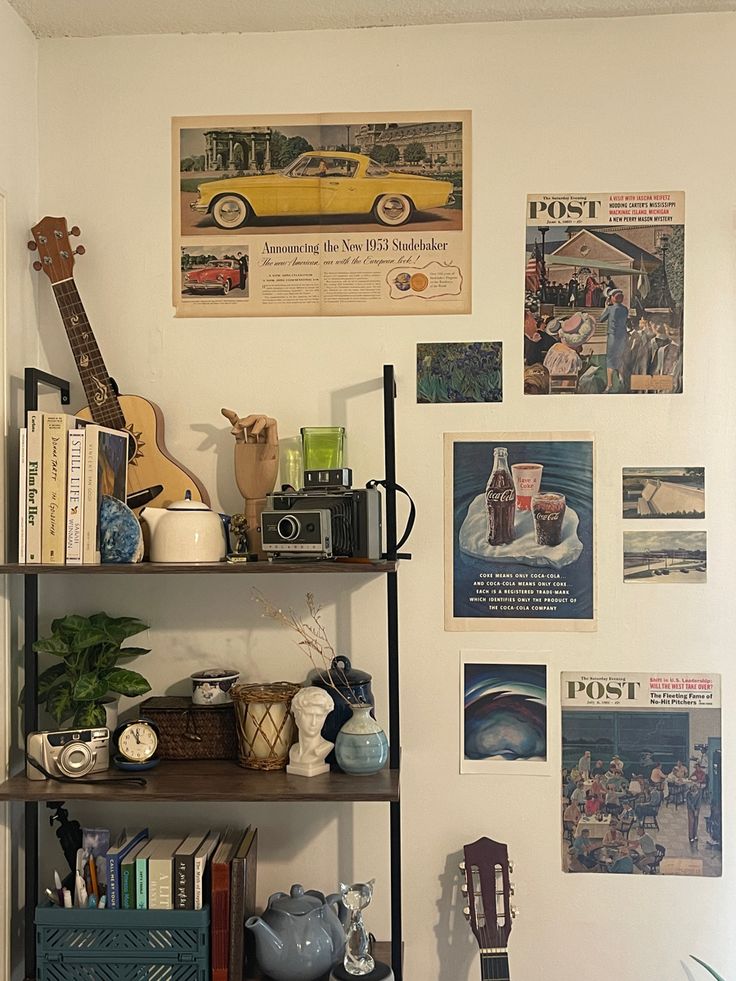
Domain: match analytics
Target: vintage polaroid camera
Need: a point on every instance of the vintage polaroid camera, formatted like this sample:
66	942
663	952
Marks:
68	752
327	519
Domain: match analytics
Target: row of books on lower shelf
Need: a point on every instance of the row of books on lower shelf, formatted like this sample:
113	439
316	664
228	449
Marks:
206	869
65	467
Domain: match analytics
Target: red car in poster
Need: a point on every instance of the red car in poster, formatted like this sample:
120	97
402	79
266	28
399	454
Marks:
219	276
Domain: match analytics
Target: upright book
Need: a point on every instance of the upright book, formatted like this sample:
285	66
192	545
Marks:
202	868
22	491
242	903
220	904
75	497
105	472
141	874
115	855
127	876
161	873
34	460
55	429
184	871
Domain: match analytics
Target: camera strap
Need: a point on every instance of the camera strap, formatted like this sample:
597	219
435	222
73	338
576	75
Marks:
135	781
412	510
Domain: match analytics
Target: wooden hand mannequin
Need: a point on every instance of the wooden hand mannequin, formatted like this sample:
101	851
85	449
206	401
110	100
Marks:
256	466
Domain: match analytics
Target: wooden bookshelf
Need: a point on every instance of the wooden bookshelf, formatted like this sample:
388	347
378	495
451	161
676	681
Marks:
324	567
211	780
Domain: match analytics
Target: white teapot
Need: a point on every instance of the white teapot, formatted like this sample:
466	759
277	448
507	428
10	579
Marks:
185	531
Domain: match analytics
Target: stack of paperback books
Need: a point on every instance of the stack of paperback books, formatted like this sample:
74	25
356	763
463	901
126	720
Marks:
66	465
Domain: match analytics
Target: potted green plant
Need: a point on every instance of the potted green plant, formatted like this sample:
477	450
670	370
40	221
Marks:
89	649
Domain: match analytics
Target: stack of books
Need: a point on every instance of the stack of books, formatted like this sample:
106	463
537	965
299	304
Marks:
217	869
65	466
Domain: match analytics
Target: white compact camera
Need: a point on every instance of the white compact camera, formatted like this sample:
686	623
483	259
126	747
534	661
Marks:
68	752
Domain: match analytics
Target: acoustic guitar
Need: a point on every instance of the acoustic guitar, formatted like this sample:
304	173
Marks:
154	477
488	890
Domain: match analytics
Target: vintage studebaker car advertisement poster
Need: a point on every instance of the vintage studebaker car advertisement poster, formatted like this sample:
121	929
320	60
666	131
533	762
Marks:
321	215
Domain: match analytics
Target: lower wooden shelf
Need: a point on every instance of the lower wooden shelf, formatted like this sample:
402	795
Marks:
381	952
211	780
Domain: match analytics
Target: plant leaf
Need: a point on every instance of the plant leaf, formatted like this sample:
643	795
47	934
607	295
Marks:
118	629
134	651
59	703
48	679
90	716
707	967
66	627
53	645
125	682
89	688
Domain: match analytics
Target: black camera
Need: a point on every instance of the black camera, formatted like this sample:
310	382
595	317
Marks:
329	521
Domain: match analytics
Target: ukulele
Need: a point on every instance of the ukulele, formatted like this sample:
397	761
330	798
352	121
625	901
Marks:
153	475
487	889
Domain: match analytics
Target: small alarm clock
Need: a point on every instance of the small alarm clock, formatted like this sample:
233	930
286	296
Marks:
136	742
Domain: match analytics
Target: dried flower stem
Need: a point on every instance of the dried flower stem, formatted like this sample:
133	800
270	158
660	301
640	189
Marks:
314	641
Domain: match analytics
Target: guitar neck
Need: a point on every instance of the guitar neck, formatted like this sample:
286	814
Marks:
101	398
494	966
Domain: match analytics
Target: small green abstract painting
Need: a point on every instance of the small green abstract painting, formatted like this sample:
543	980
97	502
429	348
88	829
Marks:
450	372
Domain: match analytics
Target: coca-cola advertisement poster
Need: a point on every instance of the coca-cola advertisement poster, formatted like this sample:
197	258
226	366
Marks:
519	531
641	773
604	293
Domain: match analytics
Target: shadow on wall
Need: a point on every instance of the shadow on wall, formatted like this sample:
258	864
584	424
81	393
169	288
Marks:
456	947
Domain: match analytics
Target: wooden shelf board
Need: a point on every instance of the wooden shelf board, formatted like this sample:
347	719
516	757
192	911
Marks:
212	780
326	566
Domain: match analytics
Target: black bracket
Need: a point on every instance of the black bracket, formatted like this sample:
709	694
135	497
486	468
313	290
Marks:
34	378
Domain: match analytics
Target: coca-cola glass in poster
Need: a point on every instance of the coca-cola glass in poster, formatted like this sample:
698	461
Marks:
519	539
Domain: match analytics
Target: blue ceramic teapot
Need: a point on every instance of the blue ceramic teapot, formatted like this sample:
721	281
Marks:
299	937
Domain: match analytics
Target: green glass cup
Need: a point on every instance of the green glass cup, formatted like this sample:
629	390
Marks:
323	447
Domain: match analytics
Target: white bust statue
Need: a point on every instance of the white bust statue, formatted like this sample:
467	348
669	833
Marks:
310	706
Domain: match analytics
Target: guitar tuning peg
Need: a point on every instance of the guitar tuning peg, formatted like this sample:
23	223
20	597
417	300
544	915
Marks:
466	912
32	246
514	910
464	889
80	250
74	230
511	868
461	866
512	889
38	266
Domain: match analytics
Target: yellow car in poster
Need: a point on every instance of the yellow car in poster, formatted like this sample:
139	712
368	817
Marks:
323	183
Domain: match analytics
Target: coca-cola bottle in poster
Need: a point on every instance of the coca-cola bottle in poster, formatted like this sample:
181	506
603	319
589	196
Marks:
500	500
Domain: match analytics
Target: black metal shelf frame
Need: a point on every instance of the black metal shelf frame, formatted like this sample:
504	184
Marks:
34	378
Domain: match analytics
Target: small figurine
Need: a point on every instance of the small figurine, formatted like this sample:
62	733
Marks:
256	467
310	706
356	898
239	533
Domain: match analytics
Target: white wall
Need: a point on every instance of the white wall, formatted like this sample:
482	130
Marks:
597	106
18	347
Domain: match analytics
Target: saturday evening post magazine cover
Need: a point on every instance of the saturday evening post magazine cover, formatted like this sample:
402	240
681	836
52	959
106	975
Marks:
641	773
604	293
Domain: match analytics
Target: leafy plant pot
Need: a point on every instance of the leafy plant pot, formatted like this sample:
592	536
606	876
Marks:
111	705
361	746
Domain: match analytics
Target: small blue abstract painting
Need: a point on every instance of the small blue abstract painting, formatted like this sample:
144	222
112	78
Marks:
504	714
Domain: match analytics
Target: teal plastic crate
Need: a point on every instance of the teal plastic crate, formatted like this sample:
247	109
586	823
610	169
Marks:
122	945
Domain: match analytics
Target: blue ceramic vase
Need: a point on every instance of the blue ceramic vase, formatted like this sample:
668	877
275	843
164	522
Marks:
361	746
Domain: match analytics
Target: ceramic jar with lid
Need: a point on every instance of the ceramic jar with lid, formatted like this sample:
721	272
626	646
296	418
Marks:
354	684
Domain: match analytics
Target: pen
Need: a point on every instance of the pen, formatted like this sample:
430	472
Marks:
102	903
59	889
54	898
93	878
91	902
67	899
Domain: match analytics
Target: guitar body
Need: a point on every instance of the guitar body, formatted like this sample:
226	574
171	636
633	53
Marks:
150	463
154	477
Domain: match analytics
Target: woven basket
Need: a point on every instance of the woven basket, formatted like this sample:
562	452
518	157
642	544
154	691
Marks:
191	732
265	724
